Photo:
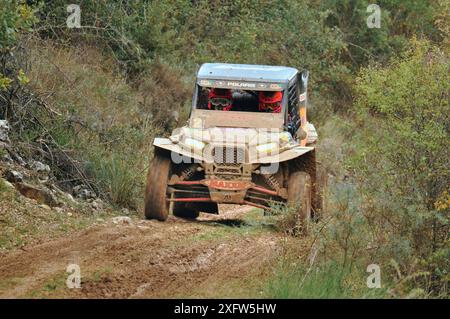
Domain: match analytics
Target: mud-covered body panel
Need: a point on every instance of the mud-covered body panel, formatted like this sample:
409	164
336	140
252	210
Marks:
257	146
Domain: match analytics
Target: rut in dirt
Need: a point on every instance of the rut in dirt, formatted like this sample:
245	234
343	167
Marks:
210	257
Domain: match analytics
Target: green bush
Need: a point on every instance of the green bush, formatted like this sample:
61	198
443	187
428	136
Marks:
16	16
399	21
406	106
401	160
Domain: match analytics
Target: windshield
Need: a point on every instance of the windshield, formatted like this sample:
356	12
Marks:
238	100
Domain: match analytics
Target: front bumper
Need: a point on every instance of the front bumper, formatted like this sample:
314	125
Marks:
221	192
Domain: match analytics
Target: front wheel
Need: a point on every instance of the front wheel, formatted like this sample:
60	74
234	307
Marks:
156	204
299	198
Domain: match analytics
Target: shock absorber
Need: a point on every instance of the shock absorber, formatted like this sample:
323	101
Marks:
272	181
188	172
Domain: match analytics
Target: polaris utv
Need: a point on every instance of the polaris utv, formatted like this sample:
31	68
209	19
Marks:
240	154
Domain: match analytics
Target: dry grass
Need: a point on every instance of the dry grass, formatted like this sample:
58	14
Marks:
107	120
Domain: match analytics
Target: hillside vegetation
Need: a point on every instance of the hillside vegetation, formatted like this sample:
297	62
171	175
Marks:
88	102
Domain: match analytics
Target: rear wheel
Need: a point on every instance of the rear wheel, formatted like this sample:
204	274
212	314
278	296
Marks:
299	198
156	204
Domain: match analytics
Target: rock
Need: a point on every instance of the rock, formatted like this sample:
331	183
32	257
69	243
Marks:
125	211
7	159
19	159
83	192
43	206
62	194
70	198
42	169
39	167
97	204
4	131
42	196
59	209
14	176
122	220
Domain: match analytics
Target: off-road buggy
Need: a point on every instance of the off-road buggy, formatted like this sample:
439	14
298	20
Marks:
241	156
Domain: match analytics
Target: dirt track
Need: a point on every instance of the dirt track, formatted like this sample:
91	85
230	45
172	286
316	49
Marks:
215	256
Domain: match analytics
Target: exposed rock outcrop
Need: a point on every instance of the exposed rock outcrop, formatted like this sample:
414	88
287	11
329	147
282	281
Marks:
42	196
14	176
4	131
83	192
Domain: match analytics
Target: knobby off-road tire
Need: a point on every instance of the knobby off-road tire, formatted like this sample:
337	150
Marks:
299	198
156	205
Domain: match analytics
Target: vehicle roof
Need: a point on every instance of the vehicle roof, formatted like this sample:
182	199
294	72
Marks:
246	72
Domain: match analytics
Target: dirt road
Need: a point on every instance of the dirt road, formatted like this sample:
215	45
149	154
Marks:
215	256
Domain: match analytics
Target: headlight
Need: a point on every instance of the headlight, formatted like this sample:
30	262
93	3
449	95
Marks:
269	147
198	145
285	137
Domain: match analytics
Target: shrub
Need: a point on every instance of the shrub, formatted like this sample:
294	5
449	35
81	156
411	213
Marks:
117	178
16	16
401	159
399	21
106	123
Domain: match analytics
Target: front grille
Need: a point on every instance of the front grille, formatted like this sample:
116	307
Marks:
229	155
219	170
228	171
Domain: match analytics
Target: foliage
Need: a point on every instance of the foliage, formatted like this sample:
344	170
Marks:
409	105
116	178
5	82
361	45
106	123
16	16
399	21
188	33
329	38
401	159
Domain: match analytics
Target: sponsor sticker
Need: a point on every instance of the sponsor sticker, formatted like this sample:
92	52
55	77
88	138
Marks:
241	85
275	86
205	82
227	185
